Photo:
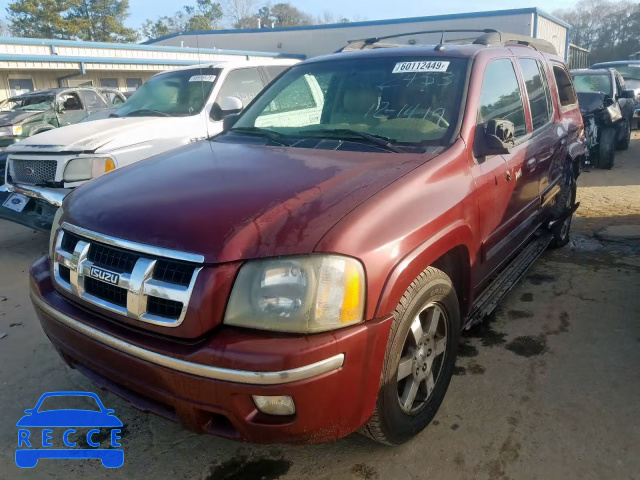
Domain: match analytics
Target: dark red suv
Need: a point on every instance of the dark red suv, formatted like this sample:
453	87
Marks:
308	272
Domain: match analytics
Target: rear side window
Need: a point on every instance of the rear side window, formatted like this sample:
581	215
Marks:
501	97
92	100
565	87
537	91
244	84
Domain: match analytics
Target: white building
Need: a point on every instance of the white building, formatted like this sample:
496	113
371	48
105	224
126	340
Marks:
28	64
322	39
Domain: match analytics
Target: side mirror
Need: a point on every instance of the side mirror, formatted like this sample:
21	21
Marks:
227	106
497	137
229	121
628	94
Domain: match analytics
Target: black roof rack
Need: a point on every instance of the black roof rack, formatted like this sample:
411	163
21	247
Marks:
488	37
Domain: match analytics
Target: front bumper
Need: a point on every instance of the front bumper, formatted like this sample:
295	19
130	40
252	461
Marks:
37	214
39	211
333	377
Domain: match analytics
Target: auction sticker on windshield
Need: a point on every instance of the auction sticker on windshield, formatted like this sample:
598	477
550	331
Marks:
411	67
202	78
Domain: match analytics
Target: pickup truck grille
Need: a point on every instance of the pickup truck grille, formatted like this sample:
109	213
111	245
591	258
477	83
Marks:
33	172
140	282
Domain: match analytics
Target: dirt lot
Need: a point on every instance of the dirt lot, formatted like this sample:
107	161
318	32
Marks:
549	388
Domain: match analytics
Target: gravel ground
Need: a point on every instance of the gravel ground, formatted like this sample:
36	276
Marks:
547	388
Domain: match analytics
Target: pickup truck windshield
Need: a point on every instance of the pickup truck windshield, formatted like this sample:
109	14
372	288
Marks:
392	101
172	94
32	102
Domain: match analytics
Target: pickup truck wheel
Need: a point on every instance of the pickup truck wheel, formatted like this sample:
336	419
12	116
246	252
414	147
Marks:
607	149
419	362
623	143
565	200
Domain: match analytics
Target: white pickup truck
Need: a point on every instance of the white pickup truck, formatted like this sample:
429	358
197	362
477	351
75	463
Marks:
171	109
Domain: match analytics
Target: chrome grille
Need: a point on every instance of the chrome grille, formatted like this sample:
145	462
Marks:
33	172
152	285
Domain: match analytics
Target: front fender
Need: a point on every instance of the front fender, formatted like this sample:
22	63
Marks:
413	263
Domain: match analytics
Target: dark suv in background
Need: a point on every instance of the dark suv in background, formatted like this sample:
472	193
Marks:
26	115
607	107
630	71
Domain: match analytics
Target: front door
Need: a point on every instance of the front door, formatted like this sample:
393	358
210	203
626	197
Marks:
502	197
70	108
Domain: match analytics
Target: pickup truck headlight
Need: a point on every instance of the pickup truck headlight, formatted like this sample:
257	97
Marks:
303	294
86	168
55	226
12	131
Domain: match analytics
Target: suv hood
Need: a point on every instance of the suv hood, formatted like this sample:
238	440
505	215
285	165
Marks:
110	134
230	202
15	118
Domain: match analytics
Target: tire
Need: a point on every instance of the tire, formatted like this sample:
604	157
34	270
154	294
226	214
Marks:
607	150
565	199
623	143
431	297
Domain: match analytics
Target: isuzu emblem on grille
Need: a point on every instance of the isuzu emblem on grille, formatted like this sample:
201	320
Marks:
104	275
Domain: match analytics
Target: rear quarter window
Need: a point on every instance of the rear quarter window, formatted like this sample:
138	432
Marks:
564	85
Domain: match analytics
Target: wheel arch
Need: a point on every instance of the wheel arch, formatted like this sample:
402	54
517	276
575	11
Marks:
449	250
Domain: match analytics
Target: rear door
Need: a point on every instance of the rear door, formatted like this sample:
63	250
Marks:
545	153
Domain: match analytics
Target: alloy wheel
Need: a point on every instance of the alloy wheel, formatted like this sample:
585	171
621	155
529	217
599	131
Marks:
422	358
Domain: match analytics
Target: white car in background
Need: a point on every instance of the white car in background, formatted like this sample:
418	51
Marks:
170	110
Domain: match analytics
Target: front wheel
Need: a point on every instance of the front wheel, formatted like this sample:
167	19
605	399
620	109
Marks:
419	362
607	150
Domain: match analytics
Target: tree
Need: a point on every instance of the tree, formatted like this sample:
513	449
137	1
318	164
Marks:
205	15
286	15
96	20
101	21
40	18
610	29
5	31
241	13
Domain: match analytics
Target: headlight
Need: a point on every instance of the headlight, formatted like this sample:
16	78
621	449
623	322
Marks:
87	168
302	294
54	231
16	130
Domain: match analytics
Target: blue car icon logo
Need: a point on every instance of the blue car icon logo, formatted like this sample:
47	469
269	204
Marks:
100	420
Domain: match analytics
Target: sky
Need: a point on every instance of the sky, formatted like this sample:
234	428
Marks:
358	9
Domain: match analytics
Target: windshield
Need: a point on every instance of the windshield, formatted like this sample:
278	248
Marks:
408	101
593	83
178	93
36	102
631	74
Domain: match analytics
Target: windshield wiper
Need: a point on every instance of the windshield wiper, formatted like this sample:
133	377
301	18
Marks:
146	111
344	132
271	135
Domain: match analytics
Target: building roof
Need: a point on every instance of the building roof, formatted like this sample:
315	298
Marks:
454	16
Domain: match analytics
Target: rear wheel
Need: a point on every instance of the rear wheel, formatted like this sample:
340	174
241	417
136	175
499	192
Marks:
623	143
564	201
607	149
419	362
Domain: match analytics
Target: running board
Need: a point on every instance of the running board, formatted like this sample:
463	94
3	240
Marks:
507	279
